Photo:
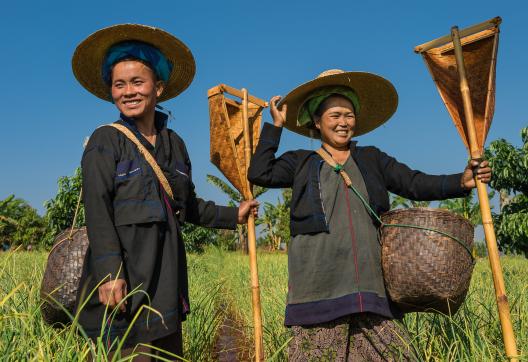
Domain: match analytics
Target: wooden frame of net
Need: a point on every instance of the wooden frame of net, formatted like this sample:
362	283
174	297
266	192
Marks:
234	135
462	65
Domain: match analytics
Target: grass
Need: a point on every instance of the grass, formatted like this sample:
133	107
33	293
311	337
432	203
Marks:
220	285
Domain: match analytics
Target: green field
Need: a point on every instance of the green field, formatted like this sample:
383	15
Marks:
220	287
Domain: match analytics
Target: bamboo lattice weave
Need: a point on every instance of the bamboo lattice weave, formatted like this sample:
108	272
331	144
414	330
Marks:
479	51
61	277
227	138
425	270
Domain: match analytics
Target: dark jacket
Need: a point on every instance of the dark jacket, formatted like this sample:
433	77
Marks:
122	189
300	170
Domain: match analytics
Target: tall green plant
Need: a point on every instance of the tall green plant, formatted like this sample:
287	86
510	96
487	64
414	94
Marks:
61	209
467	207
197	237
235	197
398	201
510	177
19	223
276	221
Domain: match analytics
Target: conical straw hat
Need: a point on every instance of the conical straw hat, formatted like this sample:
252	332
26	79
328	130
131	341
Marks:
377	97
87	61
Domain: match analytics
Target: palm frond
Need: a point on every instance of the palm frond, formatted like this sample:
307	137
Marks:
225	188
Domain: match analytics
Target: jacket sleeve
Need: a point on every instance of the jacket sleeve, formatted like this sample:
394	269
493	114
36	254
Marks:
265	169
416	185
98	171
207	213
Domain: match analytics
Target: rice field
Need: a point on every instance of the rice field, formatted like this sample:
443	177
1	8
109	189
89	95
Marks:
220	288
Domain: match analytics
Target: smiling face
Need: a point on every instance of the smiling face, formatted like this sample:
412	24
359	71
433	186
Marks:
135	89
336	121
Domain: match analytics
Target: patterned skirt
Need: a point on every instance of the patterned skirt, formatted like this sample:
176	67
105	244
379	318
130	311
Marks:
357	337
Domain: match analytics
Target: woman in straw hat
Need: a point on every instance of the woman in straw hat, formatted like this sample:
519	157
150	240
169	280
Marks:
337	304
133	223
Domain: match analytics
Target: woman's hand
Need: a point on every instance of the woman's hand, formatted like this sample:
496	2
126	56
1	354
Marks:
279	116
483	174
245	208
112	292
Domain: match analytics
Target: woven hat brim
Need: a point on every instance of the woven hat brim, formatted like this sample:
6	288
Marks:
87	61
377	96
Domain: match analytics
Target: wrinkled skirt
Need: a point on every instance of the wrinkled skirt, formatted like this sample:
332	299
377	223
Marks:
358	337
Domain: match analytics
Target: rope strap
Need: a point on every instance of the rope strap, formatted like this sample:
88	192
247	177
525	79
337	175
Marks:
339	169
151	161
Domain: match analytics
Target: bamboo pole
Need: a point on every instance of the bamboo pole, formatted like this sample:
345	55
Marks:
252	241
493	253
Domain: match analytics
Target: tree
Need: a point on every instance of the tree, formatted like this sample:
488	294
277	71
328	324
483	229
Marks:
466	207
20	224
196	237
276	221
510	178
235	198
61	209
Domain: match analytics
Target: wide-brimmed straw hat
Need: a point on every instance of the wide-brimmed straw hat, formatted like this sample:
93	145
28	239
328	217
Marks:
377	97
87	61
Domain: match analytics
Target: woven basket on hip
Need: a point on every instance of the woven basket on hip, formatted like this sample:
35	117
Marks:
425	270
61	277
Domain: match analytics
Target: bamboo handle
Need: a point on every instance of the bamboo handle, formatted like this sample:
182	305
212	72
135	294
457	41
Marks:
252	242
487	222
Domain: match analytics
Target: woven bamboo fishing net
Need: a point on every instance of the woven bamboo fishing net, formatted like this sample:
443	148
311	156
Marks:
480	56
61	277
425	270
227	138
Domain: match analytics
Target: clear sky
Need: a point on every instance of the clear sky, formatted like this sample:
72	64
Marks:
267	47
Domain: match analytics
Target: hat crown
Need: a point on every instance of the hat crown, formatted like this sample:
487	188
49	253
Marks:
328	72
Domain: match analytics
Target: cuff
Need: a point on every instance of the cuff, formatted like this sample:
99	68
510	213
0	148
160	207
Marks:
451	187
270	134
226	217
108	267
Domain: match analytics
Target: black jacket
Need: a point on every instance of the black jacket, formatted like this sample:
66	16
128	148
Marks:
300	170
120	188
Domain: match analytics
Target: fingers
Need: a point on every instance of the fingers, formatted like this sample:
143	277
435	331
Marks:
112	293
119	294
481	170
284	110
254	204
245	208
278	115
274	100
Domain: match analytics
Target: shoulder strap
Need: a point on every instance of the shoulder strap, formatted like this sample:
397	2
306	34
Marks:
152	162
338	168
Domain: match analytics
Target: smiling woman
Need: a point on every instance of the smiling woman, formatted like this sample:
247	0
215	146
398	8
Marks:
337	305
135	207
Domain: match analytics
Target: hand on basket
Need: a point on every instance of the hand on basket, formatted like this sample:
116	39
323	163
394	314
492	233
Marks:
112	292
245	208
279	116
483	172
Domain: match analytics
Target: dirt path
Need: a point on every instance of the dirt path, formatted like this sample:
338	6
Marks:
231	343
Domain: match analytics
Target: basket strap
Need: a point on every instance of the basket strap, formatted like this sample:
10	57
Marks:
148	157
339	168
76	212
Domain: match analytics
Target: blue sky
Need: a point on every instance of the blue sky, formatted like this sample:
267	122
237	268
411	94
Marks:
267	47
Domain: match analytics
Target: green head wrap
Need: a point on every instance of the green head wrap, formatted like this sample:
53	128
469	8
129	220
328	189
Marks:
314	100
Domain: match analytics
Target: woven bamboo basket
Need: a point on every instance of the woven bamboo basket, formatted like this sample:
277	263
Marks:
425	270
61	278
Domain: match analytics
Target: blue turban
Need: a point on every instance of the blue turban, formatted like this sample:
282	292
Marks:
133	49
